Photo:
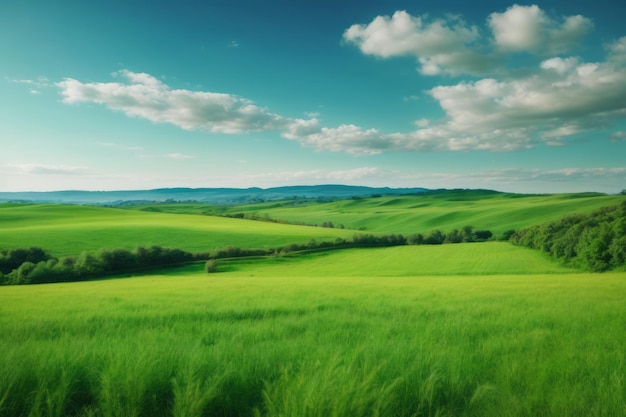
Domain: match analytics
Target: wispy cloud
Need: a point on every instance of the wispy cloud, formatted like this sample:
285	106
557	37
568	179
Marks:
618	136
35	85
559	180
120	146
313	176
39	169
178	156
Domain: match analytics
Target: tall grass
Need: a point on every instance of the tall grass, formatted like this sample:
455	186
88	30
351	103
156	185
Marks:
252	343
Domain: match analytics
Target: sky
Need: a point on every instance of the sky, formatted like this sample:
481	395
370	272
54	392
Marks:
127	95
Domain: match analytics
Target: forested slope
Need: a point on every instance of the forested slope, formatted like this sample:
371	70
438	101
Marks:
595	241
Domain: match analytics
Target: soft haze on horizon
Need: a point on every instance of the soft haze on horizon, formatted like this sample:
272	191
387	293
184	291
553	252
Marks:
119	95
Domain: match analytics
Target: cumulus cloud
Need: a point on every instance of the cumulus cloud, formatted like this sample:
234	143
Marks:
450	46
563	99
528	28
146	97
552	104
442	46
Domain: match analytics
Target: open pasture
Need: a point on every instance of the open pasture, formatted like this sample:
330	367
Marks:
491	258
444	210
69	230
288	337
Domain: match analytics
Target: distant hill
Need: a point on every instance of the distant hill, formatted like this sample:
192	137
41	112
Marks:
205	195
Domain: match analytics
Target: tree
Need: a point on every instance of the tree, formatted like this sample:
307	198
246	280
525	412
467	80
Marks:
210	266
506	235
415	239
436	237
454	237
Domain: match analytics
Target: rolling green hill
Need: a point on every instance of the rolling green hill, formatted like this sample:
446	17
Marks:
445	210
69	230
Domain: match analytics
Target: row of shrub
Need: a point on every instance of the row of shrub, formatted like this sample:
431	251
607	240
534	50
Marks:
34	265
595	241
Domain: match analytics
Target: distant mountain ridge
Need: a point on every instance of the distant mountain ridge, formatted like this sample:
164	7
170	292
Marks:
204	195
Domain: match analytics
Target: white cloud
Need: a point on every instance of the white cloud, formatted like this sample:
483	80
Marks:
348	138
450	46
146	97
528	28
443	46
563	99
554	103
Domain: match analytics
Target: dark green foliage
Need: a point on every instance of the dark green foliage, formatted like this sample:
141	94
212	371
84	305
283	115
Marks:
506	235
482	235
415	239
91	265
436	237
595	241
10	260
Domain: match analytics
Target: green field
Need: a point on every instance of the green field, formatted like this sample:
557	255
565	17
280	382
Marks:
445	210
350	333
69	230
476	329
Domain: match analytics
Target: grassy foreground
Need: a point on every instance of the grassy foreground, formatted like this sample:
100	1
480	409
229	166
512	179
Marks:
291	338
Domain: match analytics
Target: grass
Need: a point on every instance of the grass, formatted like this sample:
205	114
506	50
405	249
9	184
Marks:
465	330
314	337
444	210
69	230
492	258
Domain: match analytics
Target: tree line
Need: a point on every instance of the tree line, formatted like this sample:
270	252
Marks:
35	266
595	241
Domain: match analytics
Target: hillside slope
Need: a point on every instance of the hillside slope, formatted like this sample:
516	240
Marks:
69	230
445	210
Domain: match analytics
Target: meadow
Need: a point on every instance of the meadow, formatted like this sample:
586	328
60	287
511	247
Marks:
70	229
473	329
348	333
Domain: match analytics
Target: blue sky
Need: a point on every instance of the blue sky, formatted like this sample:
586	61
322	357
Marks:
105	95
